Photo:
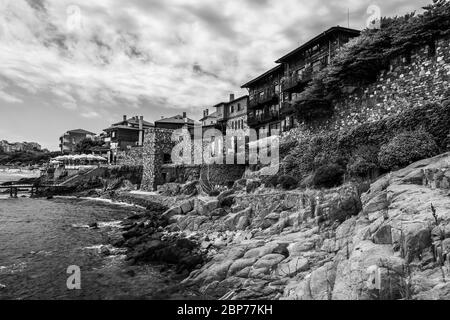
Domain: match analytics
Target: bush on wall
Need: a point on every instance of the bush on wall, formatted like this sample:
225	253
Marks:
363	161
328	176
288	182
357	148
406	148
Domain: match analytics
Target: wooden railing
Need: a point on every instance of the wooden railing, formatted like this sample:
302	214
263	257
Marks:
264	118
267	96
294	81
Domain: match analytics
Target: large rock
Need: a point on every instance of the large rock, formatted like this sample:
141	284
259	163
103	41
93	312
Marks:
233	219
292	267
339	205
352	275
219	212
243	223
417	237
383	235
252	185
241	264
268	261
169	214
187	207
322	282
206	208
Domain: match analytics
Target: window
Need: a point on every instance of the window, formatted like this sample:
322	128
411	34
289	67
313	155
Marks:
239	107
231	109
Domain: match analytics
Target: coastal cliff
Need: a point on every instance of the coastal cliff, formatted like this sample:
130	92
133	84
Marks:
390	242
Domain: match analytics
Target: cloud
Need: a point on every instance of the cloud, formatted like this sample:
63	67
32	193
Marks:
90	114
9	98
178	54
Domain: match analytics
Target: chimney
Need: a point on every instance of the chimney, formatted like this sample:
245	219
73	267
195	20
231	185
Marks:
162	117
141	130
124	117
184	115
231	97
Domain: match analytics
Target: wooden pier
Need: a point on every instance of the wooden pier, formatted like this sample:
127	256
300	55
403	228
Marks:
15	189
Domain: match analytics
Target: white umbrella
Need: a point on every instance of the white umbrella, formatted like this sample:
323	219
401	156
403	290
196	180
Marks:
101	158
91	157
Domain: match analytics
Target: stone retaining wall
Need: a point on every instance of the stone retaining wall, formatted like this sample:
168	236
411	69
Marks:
413	80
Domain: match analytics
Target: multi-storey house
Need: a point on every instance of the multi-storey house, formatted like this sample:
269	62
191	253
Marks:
264	101
69	140
274	94
302	63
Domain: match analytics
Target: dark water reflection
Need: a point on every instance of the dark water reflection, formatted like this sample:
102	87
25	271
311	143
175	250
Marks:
40	239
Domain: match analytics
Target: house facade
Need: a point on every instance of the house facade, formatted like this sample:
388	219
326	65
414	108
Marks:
69	140
263	110
124	135
175	122
9	147
228	116
273	94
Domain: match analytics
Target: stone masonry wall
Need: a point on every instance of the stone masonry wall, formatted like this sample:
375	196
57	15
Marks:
157	149
132	157
157	142
425	78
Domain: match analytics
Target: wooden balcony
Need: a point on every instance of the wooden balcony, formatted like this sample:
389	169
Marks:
262	119
266	97
297	81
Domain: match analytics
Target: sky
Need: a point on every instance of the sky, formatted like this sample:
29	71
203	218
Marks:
84	64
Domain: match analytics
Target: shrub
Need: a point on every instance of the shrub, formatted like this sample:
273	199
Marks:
270	181
312	151
406	148
286	147
288	182
328	176
363	161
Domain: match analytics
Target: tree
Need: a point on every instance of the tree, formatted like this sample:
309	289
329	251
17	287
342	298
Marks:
85	146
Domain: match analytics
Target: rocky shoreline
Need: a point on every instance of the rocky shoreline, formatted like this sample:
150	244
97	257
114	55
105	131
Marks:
251	242
391	242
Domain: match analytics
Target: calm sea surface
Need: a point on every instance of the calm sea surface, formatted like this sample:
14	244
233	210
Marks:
40	239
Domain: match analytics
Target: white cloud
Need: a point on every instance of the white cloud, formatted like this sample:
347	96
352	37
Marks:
185	53
90	114
9	98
